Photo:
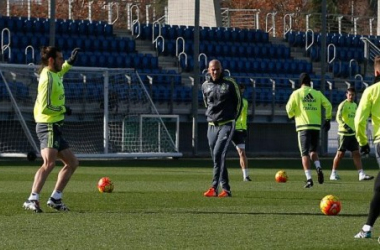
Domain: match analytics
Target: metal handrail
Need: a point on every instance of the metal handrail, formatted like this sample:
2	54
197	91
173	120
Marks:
4	47
163	42
110	13
26	53
177	45
159	30
131	14
179	57
350	66
138	27
328	53
288	28
308	46
273	28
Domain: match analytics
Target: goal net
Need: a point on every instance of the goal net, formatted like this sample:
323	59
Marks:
113	114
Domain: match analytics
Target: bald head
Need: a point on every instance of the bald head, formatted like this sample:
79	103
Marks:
376	65
215	69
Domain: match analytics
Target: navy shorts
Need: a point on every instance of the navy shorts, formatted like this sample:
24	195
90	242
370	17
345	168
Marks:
308	141
50	136
239	137
347	142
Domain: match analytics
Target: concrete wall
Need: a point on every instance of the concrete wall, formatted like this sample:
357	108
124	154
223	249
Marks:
264	139
182	12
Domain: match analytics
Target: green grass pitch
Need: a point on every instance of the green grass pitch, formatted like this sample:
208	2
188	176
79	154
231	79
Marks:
159	204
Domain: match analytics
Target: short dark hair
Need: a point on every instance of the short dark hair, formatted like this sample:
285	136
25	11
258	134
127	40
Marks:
241	86
351	89
305	79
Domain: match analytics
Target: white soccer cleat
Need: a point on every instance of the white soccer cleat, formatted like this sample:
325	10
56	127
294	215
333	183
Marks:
365	177
334	177
33	205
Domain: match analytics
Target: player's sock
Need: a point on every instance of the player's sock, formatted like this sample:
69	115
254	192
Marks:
317	164
245	173
366	228
308	174
57	195
34	197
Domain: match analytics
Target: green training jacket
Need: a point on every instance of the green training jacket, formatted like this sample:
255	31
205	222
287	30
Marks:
345	115
369	106
241	122
305	104
50	103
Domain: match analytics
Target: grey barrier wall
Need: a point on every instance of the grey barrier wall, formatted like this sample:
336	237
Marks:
264	139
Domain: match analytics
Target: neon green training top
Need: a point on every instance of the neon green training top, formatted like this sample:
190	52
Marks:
345	116
369	105
305	104
241	122
50	103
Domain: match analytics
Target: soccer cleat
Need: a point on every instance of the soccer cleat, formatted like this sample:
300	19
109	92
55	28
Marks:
321	179
334	177
247	179
365	177
225	193
57	204
309	183
363	234
33	205
211	193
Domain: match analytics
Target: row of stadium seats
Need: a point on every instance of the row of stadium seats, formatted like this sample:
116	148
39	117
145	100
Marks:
172	32
62	27
220	48
248	65
67	42
19	91
342	53
298	39
92	59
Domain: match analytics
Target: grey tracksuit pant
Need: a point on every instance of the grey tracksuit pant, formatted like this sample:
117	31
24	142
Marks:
219	138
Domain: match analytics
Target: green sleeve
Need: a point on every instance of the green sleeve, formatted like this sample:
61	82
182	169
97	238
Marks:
361	117
328	107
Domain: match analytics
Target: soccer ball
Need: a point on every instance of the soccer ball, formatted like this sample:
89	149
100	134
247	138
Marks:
105	185
330	205
281	176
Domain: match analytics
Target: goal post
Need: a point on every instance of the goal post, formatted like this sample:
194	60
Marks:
101	99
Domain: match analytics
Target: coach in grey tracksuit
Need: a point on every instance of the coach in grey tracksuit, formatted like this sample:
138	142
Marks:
222	99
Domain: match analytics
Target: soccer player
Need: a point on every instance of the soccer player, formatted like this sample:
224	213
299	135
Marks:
346	136
222	99
240	135
305	105
49	113
369	106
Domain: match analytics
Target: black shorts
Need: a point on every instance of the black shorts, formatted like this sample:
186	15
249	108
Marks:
347	142
239	138
50	136
308	141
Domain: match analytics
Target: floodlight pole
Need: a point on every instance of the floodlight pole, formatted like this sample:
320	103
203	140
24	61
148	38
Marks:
324	135
52	23
196	79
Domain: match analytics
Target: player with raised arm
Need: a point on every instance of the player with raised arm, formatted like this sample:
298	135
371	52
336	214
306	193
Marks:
50	110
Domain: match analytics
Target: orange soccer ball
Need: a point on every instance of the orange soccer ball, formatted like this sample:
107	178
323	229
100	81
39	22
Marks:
330	205
105	185
281	176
